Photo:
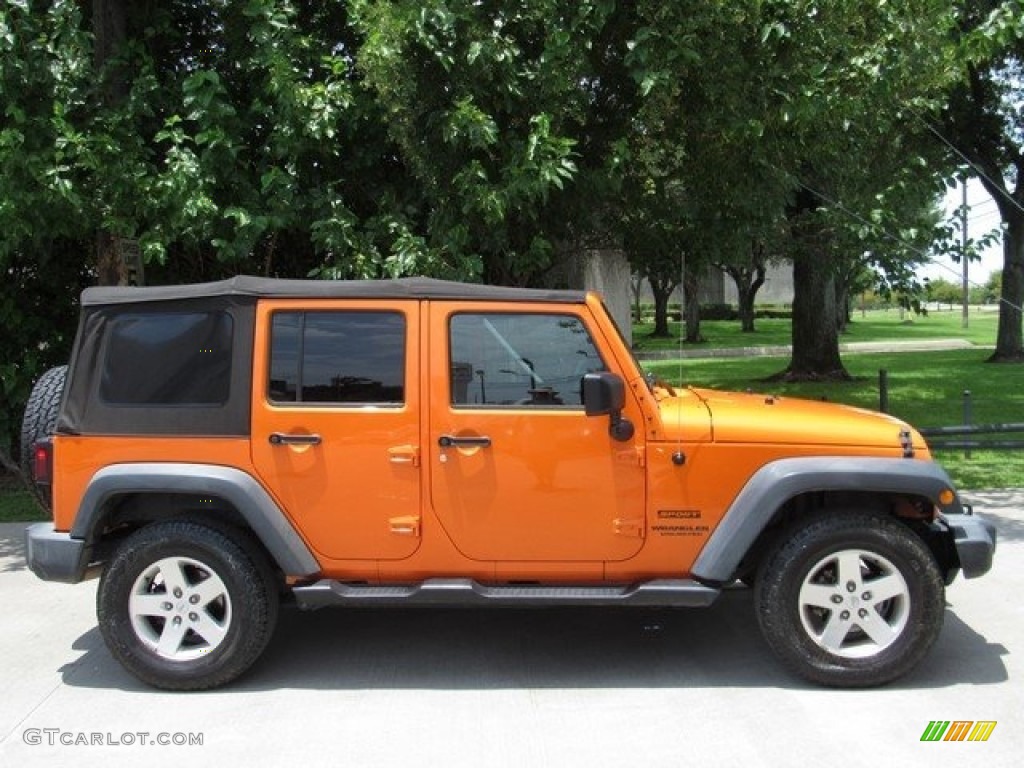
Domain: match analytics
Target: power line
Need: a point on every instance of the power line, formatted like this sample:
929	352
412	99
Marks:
976	219
979	215
976	214
981	174
986	203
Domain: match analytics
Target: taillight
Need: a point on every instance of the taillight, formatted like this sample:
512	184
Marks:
42	462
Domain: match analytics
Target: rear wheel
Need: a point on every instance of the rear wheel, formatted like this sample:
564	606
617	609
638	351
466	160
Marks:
853	599
183	606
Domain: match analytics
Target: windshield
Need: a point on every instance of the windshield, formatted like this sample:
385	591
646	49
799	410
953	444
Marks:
652	380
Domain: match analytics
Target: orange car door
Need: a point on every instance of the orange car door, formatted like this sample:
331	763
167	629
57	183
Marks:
518	471
335	423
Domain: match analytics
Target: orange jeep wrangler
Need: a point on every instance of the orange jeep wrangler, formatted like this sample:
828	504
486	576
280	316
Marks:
219	447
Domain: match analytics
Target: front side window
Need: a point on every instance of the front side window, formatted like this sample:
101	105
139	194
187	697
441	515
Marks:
337	357
167	359
520	359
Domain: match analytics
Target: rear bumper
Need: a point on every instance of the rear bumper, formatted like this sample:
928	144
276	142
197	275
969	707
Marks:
975	540
55	556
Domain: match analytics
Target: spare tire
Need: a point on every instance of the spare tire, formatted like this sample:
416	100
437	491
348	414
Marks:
40	417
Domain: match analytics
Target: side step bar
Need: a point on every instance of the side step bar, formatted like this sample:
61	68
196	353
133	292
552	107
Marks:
680	593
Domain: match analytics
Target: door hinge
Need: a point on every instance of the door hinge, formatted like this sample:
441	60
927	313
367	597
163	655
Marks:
634	457
629	526
407	525
404	454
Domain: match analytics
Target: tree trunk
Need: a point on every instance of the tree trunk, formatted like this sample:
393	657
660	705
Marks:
110	266
691	301
1009	342
842	305
748	283
636	284
110	31
662	292
815	331
746	296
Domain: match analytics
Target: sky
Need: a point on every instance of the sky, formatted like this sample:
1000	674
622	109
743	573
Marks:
982	217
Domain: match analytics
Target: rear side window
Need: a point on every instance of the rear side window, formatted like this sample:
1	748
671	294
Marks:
167	359
337	357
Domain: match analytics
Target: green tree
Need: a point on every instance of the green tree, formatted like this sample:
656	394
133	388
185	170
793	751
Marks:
491	107
38	307
943	291
847	72
655	229
698	182
221	138
470	139
45	256
984	122
748	276
993	288
803	121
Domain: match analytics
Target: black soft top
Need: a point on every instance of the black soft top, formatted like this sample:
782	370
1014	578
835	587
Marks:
259	287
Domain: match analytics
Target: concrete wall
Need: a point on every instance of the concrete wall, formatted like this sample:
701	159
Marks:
605	272
716	287
777	288
608	273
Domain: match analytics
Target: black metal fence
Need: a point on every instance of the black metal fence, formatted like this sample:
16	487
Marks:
963	436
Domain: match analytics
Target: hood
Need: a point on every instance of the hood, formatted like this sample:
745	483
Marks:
768	419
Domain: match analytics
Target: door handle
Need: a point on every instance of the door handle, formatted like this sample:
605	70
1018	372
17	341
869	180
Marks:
451	441
277	438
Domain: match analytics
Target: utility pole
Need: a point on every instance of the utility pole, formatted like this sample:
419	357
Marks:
963	250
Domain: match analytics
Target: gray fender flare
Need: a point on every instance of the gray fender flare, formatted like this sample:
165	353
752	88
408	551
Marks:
776	483
238	488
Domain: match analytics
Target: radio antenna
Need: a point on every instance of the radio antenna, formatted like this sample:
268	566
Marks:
679	458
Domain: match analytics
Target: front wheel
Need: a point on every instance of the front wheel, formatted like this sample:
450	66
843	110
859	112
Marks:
853	599
183	606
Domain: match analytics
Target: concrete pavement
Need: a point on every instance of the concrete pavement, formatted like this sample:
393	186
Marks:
512	688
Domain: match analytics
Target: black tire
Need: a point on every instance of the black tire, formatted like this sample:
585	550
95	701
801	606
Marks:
40	419
817	584
206	643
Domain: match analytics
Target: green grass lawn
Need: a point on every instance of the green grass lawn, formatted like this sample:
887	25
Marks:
877	325
925	389
17	506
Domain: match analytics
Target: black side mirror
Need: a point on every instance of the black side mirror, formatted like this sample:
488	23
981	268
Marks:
605	394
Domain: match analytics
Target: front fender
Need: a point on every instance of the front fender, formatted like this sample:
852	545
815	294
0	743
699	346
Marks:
776	483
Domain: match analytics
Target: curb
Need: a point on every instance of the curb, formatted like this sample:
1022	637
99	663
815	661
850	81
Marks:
853	347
